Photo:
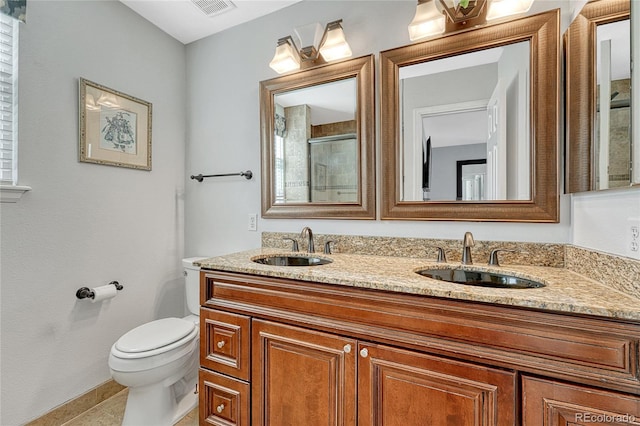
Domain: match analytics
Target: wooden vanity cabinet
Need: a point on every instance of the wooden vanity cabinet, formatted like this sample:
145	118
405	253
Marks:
324	354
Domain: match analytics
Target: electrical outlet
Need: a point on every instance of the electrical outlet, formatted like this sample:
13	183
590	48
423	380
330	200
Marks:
634	236
253	222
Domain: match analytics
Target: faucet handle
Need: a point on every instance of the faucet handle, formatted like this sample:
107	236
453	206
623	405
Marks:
442	256
493	257
294	246
327	247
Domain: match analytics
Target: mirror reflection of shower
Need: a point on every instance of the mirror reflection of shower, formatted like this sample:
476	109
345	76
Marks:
613	148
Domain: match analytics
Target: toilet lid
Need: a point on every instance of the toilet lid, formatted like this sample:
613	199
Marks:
154	335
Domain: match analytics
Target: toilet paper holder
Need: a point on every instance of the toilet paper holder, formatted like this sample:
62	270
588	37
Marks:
87	293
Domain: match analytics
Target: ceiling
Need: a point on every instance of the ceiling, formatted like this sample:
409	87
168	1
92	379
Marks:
191	20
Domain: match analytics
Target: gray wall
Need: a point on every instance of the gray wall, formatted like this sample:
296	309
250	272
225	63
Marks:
445	166
86	224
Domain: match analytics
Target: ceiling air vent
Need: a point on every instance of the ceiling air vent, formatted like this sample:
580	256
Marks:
213	7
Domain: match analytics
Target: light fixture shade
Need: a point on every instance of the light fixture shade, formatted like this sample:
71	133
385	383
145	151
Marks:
309	35
501	8
286	57
335	45
428	21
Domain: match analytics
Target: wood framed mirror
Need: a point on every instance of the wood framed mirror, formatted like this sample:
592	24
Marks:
318	142
599	142
517	101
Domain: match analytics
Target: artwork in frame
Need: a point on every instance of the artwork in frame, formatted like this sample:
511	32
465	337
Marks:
115	128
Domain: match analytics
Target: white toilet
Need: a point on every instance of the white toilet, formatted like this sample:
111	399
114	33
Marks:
158	361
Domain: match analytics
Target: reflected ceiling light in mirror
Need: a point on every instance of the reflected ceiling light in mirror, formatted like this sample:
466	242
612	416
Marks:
332	45
438	16
91	103
108	100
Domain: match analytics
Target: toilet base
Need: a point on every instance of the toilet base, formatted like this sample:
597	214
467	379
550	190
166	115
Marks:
185	405
156	405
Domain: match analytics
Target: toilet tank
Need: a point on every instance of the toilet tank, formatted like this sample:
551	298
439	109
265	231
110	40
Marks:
192	284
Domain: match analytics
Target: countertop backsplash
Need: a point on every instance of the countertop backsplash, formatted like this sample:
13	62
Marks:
620	273
535	254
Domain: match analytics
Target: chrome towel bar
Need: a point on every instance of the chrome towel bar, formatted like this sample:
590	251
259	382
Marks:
248	175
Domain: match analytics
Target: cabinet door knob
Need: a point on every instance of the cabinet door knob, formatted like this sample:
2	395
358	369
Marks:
364	352
220	408
220	344
347	349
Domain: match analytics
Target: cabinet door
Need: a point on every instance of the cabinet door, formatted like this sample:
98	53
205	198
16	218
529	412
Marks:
301	377
223	401
548	403
401	388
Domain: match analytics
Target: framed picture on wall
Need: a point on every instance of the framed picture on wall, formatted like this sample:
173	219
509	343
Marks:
115	128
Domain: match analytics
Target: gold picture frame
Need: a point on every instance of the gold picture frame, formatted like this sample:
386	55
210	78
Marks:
115	128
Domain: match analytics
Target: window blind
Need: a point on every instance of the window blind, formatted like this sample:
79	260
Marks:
8	100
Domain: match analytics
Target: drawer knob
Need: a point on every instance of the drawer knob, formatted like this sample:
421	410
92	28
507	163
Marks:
220	408
364	352
347	349
220	344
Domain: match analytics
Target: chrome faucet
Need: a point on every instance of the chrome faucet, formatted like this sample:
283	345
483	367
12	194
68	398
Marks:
310	247
467	243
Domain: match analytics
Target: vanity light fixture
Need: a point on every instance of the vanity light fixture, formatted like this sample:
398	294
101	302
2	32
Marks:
427	22
502	8
286	57
437	16
332	47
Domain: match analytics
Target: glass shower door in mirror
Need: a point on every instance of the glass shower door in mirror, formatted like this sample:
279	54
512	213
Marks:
315	144
613	105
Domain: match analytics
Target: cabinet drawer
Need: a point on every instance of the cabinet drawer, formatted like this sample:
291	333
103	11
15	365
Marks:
223	400
225	343
550	403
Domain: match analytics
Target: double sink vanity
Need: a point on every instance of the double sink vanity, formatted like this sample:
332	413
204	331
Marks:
365	339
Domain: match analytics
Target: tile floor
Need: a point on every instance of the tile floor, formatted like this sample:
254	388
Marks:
111	411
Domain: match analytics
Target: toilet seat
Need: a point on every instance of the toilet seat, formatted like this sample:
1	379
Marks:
154	335
160	350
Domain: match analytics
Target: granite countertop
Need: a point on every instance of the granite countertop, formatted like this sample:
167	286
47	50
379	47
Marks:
565	291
